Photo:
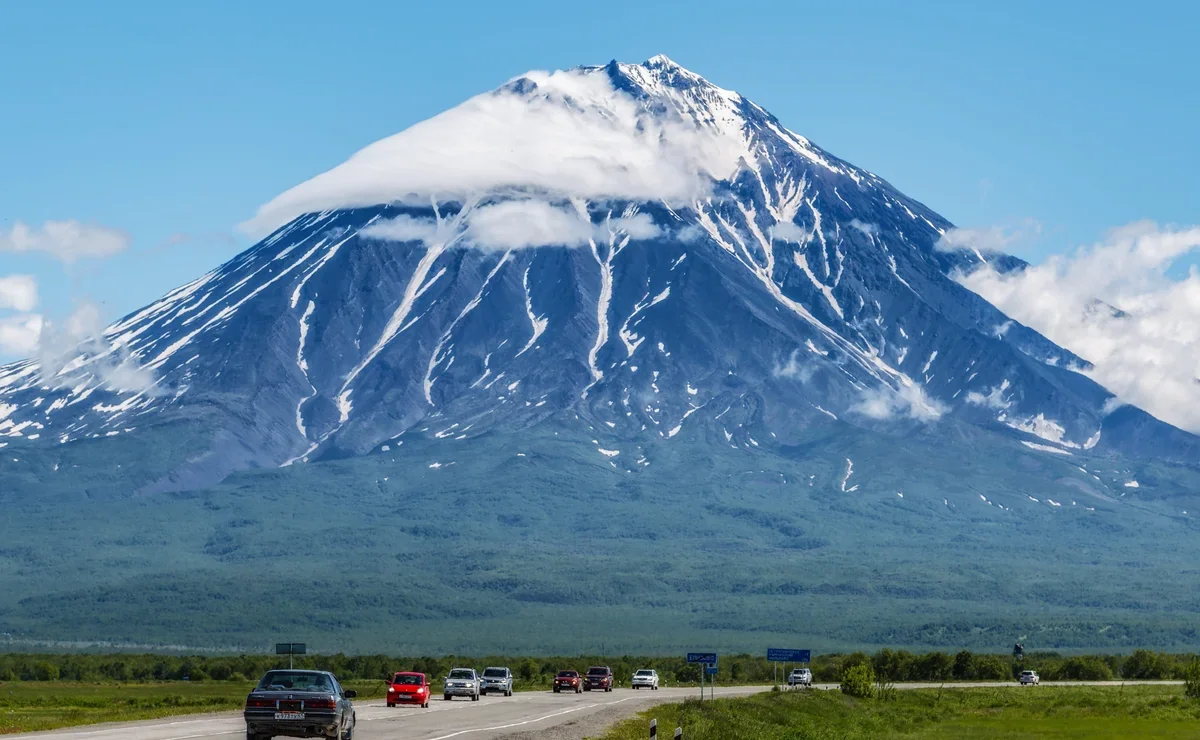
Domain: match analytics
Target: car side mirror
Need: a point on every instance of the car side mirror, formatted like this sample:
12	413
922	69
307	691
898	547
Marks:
350	694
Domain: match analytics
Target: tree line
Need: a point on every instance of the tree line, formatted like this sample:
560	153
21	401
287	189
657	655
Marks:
892	665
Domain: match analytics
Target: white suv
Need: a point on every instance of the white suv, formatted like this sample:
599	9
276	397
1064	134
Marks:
646	679
1029	678
800	677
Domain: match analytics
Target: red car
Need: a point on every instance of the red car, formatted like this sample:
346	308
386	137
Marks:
408	688
568	681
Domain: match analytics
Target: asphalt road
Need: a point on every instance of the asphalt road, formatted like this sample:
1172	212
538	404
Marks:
489	718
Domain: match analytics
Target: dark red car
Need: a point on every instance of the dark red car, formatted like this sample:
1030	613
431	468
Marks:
408	688
568	681
599	678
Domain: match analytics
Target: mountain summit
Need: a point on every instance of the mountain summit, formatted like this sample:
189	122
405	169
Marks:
620	284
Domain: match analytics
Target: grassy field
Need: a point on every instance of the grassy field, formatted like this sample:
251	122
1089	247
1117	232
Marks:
953	714
26	707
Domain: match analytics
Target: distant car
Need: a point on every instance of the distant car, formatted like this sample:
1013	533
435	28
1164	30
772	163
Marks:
296	703
461	682
599	678
409	688
800	677
645	679
1029	678
496	679
568	681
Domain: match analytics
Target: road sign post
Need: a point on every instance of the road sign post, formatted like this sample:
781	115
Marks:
707	660
787	655
291	649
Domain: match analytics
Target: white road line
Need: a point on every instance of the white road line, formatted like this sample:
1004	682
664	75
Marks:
532	721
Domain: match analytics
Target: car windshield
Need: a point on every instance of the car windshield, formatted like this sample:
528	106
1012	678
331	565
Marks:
407	680
645	673
567	674
295	681
494	673
460	673
1026	673
598	671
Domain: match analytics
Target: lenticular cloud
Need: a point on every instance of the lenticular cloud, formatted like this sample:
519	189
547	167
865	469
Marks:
570	134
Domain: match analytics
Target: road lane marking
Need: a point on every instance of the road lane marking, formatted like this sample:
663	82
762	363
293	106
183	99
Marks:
535	720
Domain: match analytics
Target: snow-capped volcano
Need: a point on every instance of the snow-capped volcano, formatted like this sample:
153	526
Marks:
627	245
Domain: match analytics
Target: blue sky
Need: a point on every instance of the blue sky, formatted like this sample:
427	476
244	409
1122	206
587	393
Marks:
174	122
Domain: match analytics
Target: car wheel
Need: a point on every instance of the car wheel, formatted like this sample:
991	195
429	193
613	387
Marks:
425	705
555	689
475	698
483	692
390	704
446	697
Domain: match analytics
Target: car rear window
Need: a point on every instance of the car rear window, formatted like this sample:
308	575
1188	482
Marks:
494	673
407	680
294	681
461	674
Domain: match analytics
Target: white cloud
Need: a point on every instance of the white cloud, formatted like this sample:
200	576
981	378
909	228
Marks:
67	241
795	370
993	399
987	240
865	228
19	334
909	401
568	134
78	346
518	224
403	229
1147	350
18	292
790	232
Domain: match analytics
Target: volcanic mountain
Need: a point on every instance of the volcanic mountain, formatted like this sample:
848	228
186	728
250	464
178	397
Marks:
625	258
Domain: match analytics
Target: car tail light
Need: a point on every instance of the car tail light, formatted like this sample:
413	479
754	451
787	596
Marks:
259	703
320	704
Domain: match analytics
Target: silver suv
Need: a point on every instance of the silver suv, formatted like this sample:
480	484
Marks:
496	679
461	682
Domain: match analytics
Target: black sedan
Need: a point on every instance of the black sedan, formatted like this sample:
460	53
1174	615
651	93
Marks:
294	703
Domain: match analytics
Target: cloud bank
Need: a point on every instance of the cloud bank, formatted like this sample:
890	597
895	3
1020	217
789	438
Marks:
570	134
516	224
18	292
60	346
67	241
1117	305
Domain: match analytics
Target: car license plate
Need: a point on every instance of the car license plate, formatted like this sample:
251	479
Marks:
289	715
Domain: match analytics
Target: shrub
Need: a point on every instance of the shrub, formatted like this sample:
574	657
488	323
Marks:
990	668
859	681
1085	668
1145	665
1191	679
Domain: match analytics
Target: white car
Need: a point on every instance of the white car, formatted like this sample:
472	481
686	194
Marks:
1029	678
645	679
800	677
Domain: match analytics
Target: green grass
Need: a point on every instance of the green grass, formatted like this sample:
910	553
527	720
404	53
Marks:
930	714
32	706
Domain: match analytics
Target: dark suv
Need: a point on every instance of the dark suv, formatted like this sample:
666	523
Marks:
599	677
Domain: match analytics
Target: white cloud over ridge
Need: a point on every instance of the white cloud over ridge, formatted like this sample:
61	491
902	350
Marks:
1115	305
66	241
567	133
516	224
908	401
81	335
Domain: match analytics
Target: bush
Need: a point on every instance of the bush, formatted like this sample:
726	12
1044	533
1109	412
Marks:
1191	679
1085	668
859	681
990	668
1145	665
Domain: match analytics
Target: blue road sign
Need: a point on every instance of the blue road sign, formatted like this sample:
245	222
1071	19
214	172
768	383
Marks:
711	669
702	657
781	655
